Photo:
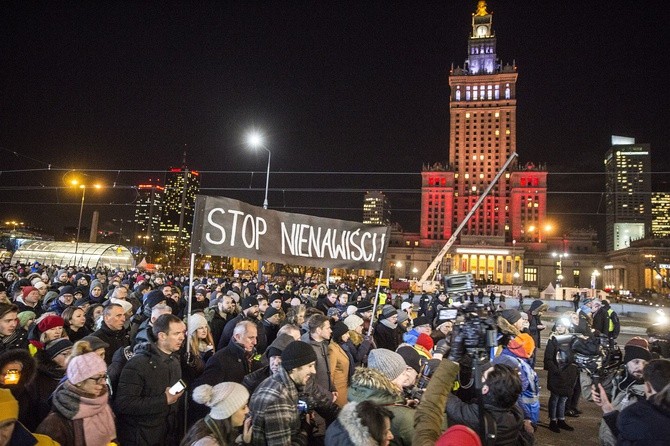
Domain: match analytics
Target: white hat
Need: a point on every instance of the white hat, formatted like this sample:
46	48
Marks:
223	399
352	309
405	306
353	321
196	321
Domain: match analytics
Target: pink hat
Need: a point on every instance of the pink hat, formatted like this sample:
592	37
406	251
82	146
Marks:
27	289
459	435
85	366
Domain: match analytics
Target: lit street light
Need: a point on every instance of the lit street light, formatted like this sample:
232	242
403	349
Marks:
559	279
76	183
255	141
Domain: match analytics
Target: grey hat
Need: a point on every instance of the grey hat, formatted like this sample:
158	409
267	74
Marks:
511	315
402	316
389	363
388	311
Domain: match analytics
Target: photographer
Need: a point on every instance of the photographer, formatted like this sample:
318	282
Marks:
628	386
561	378
647	421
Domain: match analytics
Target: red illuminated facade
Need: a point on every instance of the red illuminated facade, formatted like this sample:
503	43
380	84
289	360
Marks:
482	136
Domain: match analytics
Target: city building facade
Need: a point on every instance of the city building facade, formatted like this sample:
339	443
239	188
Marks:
660	214
376	209
148	211
181	188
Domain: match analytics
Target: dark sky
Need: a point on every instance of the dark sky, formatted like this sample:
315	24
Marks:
335	86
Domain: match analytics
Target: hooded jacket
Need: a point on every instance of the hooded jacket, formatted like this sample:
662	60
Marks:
371	385
20	390
348	430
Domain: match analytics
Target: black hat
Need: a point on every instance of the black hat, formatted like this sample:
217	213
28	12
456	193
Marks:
66	290
249	301
274	296
421	320
339	329
364	306
271	311
53	348
154	297
411	357
297	354
511	315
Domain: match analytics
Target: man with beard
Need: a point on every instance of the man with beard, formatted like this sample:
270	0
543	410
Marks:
628	385
386	333
250	312
144	405
225	312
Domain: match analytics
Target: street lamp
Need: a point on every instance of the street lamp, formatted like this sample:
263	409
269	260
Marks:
255	141
560	265
76	183
547	228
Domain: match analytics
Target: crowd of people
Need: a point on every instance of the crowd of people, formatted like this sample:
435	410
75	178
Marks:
97	357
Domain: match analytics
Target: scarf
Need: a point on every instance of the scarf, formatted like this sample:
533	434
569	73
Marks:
11	338
95	413
389	324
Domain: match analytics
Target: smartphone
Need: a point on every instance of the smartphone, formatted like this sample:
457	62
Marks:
178	387
303	407
12	377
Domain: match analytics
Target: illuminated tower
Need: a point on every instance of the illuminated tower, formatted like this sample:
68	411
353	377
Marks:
148	209
627	192
482	136
660	214
181	187
376	209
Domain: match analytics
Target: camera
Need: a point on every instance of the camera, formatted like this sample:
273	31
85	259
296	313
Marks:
597	356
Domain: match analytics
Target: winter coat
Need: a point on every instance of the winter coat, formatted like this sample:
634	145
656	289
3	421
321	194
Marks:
429	416
18	340
536	325
339	363
218	323
273	410
140	403
322	377
115	339
359	347
386	337
371	385
20	390
40	389
625	392
641	423
75	336
348	430
529	400
561	374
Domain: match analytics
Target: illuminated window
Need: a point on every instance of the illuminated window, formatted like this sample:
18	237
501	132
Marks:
530	274
467	115
458	93
508	92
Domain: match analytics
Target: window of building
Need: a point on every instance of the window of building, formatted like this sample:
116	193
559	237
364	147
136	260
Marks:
530	274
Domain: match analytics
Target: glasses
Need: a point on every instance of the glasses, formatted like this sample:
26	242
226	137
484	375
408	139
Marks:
99	379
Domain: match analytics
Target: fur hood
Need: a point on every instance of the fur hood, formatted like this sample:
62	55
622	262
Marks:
349	430
507	328
29	365
370	384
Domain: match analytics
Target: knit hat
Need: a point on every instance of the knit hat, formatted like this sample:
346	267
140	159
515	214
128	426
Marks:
95	342
425	341
68	289
9	407
271	311
353	321
522	345
295	301
275	296
388	311
511	315
387	362
339	329
402	316
40	285
96	284
49	322
405	306
636	348
421	320
27	290
411	357
54	348
332	312
459	435
223	399
297	354
153	298
196	321
25	316
85	366
249	302
352	309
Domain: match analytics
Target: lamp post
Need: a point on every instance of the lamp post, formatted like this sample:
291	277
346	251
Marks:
255	141
559	279
83	187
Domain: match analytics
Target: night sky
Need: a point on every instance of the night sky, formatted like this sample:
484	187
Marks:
335	86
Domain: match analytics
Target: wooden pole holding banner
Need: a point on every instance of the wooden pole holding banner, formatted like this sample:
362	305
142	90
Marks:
188	324
327	277
374	305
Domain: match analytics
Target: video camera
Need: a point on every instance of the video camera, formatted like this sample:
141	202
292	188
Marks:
598	356
479	330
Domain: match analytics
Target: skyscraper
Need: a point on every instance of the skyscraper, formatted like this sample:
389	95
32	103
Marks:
148	210
181	187
627	192
660	214
376	209
482	137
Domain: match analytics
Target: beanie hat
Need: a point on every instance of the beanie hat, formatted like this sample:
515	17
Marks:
421	320
297	354
425	341
96	284
411	357
402	316
25	316
387	362
27	290
522	345
295	302
405	306
249	302
271	311
53	348
49	322
153	298
68	289
223	399
275	296
636	348
511	315
9	407
459	435
339	330
85	366
195	321
332	312
388	311
353	321
352	309
39	285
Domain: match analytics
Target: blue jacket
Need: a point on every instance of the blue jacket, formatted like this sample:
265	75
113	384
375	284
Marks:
529	400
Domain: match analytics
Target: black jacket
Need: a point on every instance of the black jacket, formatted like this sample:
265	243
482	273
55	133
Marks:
386	337
140	403
641	423
227	335
18	340
115	339
218	323
561	375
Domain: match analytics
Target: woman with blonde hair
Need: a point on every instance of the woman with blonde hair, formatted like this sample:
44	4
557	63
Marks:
200	339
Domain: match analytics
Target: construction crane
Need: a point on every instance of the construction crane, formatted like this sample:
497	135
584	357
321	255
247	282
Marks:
427	281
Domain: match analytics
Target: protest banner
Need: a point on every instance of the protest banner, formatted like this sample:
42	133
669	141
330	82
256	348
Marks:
226	227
